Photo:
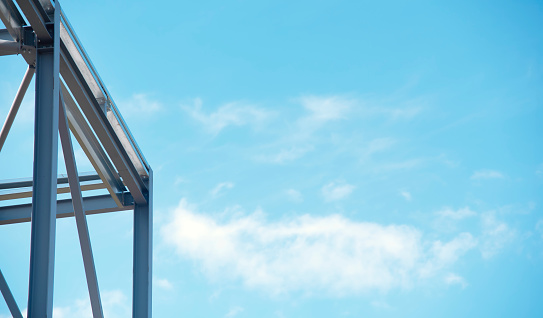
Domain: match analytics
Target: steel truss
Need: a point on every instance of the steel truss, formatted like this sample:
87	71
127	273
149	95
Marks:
71	97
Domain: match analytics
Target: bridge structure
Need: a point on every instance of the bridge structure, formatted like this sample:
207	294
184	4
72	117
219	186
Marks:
70	99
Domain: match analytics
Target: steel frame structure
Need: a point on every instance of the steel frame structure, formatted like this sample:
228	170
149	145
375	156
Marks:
70	96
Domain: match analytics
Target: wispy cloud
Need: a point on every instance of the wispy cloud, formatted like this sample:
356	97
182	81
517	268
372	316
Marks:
406	195
329	254
495	236
163	283
539	170
285	155
139	105
459	214
486	174
401	165
379	145
230	114
381	304
335	191
539	227
216	191
444	254
326	108
294	195
404	113
234	311
115	304
454	279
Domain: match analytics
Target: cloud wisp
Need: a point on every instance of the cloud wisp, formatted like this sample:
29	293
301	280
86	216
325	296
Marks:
330	254
229	114
140	105
459	214
220	188
486	174
335	191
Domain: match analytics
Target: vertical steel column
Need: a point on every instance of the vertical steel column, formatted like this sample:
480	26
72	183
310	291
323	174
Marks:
143	256
44	197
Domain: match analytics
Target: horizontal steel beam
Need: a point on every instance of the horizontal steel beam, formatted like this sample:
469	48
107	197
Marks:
12	19
61	179
24	193
93	205
96	118
36	15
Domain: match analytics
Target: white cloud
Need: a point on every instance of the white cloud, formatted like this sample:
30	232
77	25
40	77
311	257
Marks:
402	165
115	304
456	214
444	254
163	283
539	227
380	304
335	191
321	110
285	155
139	105
454	279
329	254
404	113
379	145
496	235
406	195
234	311
326	108
220	187
486	174
539	170
230	114
294	195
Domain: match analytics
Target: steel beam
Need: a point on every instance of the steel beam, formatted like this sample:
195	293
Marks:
101	127
98	90
80	218
61	179
8	297
93	205
143	256
42	237
20	193
12	19
37	17
92	147
16	104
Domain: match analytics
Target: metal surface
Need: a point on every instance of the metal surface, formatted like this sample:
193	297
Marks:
42	237
92	148
61	179
21	193
96	118
80	218
93	205
16	104
65	72
37	17
8	297
143	256
12	19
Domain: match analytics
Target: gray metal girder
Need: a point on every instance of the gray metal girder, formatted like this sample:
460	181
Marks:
101	127
93	205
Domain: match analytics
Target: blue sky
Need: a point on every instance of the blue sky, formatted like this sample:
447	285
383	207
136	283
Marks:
323	158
